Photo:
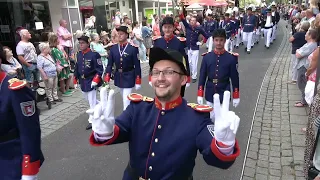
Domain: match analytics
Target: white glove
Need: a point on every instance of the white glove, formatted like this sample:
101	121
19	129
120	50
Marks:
188	85
75	86
29	177
199	43
150	83
138	86
236	102
103	115
200	100
226	122
93	84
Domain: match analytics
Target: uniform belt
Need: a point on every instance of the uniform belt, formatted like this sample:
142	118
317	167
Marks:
125	70
268	27
14	134
248	24
216	81
133	174
88	76
228	31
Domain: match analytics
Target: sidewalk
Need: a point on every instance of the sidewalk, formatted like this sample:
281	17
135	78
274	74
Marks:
71	108
276	146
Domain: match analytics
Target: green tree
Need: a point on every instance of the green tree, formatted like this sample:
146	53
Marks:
244	3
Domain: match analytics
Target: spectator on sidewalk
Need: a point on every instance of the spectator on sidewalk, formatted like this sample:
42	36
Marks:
28	58
297	41
138	41
156	28
48	71
63	65
96	46
114	33
64	37
146	33
303	63
11	66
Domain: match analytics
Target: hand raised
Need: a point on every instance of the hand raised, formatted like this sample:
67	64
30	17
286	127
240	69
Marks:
226	122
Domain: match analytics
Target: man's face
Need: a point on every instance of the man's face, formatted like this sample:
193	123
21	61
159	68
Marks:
167	29
83	45
168	83
249	12
122	36
27	35
64	23
219	42
193	21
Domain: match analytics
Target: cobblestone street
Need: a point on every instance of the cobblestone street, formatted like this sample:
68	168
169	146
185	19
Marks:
276	144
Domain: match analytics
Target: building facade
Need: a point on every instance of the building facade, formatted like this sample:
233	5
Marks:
41	16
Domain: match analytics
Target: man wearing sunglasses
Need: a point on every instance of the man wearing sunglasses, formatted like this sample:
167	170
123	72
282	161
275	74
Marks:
165	133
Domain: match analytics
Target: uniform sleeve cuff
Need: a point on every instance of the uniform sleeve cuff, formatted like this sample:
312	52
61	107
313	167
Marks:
200	91
138	80
30	168
96	79
236	94
224	149
96	140
224	157
149	78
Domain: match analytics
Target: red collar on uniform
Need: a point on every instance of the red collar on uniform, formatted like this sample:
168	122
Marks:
123	44
169	105
86	51
219	52
2	76
170	38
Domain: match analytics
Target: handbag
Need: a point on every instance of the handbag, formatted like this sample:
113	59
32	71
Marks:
313	171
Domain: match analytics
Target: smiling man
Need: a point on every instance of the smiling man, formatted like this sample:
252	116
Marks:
165	133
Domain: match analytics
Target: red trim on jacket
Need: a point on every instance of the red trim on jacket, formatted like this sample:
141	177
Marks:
116	132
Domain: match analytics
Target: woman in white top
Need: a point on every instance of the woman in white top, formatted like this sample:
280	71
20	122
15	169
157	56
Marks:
138	41
13	67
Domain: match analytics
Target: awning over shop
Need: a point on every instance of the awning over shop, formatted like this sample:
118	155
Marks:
195	6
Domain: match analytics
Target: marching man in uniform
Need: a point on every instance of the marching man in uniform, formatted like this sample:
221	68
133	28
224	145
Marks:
20	134
170	41
216	71
249	26
88	72
229	27
192	33
275	14
124	58
210	25
165	133
267	25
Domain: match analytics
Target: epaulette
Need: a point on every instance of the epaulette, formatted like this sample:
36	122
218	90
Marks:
203	54
235	54
155	38
134	45
135	97
182	39
200	107
16	84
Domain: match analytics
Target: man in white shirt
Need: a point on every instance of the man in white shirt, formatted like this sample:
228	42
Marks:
28	58
310	17
64	36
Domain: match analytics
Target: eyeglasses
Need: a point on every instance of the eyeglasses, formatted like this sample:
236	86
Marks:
166	73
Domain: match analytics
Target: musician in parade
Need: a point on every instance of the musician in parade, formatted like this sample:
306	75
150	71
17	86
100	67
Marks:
162	146
88	73
124	65
229	27
209	26
169	40
217	69
237	27
20	134
267	24
249	27
192	35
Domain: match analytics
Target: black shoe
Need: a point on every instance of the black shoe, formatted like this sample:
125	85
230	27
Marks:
89	126
194	80
49	105
245	49
58	100
257	42
248	52
237	47
267	47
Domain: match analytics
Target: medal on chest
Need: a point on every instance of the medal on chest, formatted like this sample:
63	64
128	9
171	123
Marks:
122	52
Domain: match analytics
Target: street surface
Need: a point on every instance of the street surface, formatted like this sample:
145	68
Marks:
69	155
